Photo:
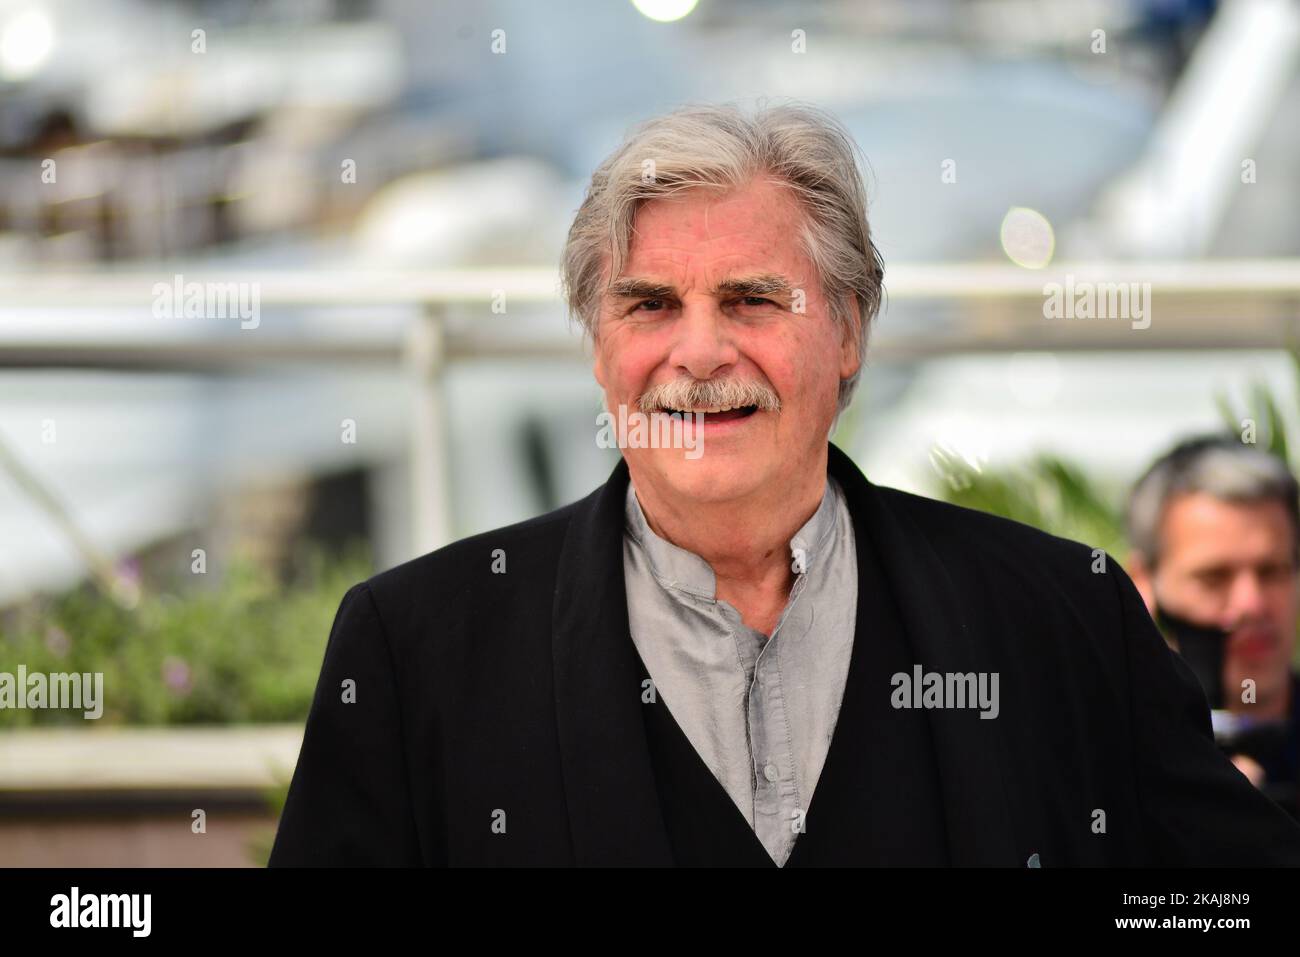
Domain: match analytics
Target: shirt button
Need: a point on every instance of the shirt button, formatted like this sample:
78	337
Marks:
770	772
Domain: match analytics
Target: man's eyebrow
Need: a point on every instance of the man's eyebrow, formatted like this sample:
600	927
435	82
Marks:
639	289
763	284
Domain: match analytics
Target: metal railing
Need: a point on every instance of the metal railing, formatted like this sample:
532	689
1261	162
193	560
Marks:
984	307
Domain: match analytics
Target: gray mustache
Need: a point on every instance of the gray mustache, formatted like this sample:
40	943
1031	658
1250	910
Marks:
685	394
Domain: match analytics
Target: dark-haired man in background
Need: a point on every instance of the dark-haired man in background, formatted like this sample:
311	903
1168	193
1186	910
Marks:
1214	527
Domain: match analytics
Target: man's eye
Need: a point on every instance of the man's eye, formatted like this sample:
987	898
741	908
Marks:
1279	572
649	305
755	301
1215	578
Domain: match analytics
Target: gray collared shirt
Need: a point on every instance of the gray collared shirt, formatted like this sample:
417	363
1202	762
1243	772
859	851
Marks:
759	711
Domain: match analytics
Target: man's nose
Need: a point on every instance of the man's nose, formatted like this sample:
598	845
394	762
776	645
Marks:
704	345
1246	599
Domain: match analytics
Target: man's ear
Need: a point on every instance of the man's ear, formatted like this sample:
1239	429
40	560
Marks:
597	363
850	354
1143	575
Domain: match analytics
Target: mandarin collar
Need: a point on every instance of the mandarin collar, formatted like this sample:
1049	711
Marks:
676	568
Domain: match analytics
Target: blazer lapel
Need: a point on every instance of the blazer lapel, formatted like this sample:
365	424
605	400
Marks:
614	813
969	751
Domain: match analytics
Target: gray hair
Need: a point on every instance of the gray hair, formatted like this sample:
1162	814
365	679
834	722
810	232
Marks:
1219	466
718	146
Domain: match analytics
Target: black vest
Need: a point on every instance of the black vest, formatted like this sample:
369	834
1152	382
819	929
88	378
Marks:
877	801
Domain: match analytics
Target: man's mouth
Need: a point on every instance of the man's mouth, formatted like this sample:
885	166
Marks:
716	413
1251	644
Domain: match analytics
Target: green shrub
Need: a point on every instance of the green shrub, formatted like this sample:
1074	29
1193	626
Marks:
238	646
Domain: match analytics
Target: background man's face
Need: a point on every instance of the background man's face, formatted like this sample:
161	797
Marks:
690	245
1229	565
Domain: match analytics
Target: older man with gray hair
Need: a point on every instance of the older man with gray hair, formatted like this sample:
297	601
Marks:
753	655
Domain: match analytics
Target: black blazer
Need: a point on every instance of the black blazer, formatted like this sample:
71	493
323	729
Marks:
483	697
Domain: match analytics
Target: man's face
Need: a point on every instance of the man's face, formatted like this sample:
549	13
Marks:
709	291
1229	564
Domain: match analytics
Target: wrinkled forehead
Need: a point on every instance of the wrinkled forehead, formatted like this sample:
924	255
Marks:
741	242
